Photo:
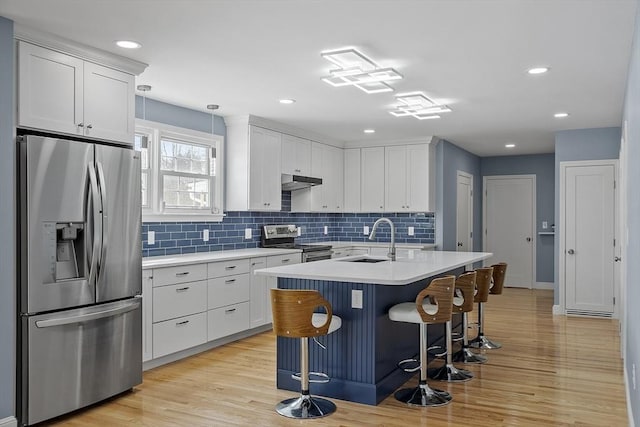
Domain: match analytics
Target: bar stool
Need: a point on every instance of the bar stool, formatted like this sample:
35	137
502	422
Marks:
483	283
462	300
294	317
499	273
437	309
465	355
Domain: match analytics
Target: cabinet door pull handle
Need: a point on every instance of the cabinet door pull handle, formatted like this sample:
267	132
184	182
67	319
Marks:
230	281
186	288
230	267
286	260
184	322
89	126
231	310
184	273
80	125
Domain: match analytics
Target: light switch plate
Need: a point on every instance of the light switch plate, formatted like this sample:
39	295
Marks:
151	238
326	230
365	230
356	298
300	231
410	231
545	225
205	235
247	233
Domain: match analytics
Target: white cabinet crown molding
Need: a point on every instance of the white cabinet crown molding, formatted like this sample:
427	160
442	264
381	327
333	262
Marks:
390	142
61	44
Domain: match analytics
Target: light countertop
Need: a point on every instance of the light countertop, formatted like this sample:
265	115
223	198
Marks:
174	260
409	267
373	244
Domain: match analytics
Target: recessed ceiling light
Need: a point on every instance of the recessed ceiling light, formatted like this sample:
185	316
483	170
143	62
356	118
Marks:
369	131
287	101
510	145
128	44
538	70
560	115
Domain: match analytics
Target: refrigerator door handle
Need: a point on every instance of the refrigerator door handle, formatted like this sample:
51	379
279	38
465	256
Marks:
69	320
93	184
103	198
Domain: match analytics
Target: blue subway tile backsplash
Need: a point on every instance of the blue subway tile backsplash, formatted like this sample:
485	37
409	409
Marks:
173	238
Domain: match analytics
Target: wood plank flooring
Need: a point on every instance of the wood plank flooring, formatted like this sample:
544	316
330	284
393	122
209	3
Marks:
551	371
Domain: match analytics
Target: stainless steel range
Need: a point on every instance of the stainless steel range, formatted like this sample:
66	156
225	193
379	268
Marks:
283	236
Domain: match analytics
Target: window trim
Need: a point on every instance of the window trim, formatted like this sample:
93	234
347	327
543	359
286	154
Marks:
155	211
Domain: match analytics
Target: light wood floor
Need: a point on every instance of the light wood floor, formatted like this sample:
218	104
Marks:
550	371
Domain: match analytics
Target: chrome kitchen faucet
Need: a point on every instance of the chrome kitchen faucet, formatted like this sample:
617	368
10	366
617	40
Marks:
392	244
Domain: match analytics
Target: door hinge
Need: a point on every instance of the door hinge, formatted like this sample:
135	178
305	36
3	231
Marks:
471	193
471	235
614	243
485	231
614	300
614	184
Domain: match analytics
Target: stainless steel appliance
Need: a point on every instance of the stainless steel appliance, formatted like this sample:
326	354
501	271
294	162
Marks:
80	275
283	236
297	182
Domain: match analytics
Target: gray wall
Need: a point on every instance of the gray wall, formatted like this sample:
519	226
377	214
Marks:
542	166
449	160
173	115
632	254
7	225
580	144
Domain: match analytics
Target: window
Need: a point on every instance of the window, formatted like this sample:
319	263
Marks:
181	173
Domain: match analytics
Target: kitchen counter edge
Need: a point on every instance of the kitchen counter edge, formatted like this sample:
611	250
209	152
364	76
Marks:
199	258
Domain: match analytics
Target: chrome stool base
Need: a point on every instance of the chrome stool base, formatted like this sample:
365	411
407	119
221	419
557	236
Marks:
483	342
305	407
423	396
450	374
467	356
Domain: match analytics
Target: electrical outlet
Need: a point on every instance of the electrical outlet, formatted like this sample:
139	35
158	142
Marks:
326	230
545	225
365	230
410	231
633	375
356	298
151	238
247	233
300	231
205	235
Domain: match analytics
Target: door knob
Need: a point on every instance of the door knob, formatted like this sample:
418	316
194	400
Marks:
459	244
571	252
617	259
528	239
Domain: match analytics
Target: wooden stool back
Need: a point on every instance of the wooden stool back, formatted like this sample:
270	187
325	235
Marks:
292	312
466	285
440	293
499	272
483	283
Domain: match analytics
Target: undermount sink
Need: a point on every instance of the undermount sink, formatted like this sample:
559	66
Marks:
364	259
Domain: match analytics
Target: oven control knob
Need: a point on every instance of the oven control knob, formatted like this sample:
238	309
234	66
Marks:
270	232
293	228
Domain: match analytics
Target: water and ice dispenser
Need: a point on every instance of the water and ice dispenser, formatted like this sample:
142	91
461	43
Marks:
65	248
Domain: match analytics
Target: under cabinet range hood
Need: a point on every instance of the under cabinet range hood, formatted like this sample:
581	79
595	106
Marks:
297	182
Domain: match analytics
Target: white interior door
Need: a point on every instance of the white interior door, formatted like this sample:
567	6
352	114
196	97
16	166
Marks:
509	223
464	212
588	232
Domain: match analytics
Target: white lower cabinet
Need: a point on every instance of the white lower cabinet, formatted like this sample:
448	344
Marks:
259	309
178	334
173	301
147	315
227	320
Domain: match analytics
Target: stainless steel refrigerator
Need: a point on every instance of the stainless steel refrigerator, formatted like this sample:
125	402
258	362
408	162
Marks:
80	274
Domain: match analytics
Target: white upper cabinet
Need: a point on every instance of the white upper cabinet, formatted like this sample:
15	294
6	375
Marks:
253	168
296	155
61	93
352	180
327	162
407	178
372	197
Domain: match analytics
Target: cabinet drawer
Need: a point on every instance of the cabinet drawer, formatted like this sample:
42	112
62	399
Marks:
227	320
179	300
179	334
278	260
182	274
228	268
228	290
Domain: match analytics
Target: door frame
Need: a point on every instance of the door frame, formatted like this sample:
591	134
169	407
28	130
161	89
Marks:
470	213
534	237
562	299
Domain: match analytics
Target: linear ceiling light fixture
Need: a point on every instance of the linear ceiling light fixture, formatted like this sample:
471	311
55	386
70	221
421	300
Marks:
418	105
356	69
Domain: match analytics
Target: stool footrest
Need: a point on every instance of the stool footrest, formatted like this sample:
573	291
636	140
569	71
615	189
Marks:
409	365
434	348
314	377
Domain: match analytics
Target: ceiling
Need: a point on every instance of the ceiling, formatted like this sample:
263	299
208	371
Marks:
473	55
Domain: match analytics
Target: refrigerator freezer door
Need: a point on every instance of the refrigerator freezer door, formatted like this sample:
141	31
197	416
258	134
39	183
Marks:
120	260
57	218
78	357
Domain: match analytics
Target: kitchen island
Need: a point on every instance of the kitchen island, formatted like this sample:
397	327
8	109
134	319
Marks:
361	357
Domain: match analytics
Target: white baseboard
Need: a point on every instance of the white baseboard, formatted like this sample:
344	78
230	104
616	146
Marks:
543	285
9	422
628	393
557	311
